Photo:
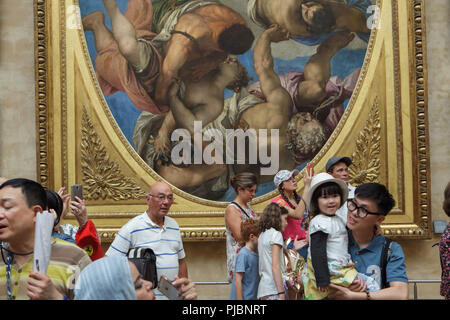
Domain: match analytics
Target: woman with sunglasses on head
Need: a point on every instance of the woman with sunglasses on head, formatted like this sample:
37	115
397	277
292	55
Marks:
289	199
238	210
329	261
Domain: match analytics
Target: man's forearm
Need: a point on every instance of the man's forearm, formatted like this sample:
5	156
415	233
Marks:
178	51
399	291
263	63
182	268
262	55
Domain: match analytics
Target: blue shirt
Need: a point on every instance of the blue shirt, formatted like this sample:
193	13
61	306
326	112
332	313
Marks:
246	262
367	260
63	236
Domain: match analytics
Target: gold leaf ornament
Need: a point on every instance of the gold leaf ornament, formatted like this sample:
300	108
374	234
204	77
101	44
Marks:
366	157
102	178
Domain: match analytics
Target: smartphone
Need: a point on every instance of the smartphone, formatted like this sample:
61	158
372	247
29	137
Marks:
76	190
310	169
168	289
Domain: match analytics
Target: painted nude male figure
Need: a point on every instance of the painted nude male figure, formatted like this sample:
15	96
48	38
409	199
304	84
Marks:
203	100
305	20
188	104
301	136
201	37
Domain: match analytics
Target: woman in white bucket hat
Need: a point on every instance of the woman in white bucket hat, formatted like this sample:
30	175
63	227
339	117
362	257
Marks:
328	258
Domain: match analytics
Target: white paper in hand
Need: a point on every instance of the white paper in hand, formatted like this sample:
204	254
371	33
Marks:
42	241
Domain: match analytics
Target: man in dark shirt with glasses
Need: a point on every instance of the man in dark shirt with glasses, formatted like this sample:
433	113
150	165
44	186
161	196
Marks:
368	209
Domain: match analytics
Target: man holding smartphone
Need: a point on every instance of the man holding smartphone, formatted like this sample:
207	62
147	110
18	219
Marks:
21	200
154	229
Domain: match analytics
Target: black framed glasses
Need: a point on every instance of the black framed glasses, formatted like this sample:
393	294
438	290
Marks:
362	212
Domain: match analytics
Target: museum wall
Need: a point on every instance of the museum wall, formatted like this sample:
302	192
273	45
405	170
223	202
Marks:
207	260
17	117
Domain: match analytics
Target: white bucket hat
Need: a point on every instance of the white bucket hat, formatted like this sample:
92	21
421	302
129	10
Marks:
320	179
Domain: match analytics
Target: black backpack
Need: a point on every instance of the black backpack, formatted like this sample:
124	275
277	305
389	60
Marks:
145	261
385	255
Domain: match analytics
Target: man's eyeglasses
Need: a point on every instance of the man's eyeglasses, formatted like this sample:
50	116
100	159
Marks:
362	212
162	197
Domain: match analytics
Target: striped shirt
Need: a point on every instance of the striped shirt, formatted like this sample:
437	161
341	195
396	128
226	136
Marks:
66	262
165	242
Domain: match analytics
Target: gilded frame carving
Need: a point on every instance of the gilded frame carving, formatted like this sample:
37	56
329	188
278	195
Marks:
385	129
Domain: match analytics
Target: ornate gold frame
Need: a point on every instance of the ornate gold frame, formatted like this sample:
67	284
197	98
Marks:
384	128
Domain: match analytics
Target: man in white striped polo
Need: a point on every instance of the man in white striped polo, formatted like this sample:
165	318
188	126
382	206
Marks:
154	229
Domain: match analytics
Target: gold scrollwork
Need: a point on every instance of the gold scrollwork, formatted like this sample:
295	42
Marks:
366	157
102	178
422	152
201	233
41	92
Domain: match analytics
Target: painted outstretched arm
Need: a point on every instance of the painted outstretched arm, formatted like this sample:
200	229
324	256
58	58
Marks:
263	61
178	50
123	32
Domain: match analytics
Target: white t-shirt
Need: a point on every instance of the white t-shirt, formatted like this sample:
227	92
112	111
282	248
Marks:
337	242
266	239
165	242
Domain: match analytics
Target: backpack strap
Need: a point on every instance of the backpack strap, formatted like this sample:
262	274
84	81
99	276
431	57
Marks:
240	208
385	255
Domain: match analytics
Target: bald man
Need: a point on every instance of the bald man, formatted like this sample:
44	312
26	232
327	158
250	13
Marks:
154	229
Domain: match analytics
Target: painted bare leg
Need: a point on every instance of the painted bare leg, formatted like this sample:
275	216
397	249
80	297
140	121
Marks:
95	22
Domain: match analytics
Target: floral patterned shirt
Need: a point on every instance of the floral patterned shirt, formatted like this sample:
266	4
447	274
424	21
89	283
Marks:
233	246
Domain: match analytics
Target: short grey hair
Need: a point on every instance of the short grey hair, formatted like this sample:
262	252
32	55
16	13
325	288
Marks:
302	143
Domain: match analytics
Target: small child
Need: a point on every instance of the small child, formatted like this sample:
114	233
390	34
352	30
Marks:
328	258
246	275
273	221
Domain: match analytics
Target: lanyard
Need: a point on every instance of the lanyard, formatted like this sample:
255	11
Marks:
8	276
8	264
